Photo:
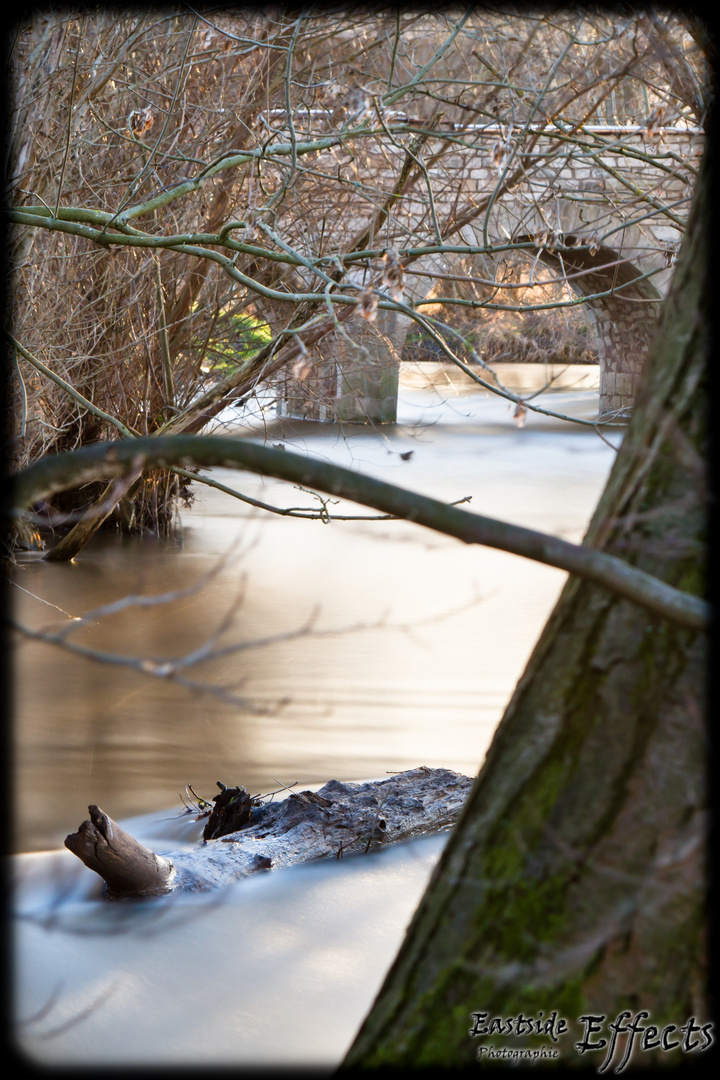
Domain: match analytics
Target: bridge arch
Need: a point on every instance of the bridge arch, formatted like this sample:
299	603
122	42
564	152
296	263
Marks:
624	310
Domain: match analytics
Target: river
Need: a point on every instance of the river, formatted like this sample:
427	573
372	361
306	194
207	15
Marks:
349	650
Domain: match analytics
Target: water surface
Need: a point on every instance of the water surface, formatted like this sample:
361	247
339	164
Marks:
366	646
362	648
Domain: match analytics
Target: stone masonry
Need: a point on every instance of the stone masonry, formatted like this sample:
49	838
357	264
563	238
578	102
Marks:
610	203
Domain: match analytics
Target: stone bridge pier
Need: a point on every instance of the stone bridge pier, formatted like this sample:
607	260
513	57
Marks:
351	376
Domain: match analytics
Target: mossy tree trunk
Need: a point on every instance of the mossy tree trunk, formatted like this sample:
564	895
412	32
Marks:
575	880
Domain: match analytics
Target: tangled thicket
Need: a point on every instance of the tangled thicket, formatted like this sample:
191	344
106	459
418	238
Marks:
308	146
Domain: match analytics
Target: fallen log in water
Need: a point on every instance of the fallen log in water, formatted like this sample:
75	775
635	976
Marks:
339	819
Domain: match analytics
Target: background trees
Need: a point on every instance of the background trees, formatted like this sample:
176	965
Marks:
200	202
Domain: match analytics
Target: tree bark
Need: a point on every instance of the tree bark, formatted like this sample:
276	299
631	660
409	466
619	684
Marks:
575	879
73	542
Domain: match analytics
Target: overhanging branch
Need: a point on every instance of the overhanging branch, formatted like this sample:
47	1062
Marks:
57	472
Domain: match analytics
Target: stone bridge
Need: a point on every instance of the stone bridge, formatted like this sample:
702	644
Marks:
606	213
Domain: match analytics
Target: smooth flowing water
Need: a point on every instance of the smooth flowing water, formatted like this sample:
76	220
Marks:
342	650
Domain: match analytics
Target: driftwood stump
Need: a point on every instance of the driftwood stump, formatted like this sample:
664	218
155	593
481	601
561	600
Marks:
339	819
233	809
126	867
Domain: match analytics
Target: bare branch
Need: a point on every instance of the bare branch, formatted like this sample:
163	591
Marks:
55	473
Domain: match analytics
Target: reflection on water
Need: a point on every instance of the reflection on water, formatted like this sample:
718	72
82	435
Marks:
361	647
366	646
